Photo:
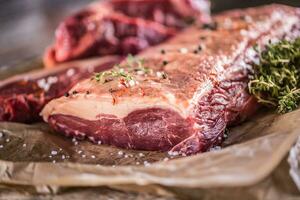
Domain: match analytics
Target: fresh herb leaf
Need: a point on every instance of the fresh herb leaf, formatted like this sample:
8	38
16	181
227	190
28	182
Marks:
276	81
107	76
132	65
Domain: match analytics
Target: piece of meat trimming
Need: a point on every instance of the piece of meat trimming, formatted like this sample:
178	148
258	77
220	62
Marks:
122	27
22	97
187	110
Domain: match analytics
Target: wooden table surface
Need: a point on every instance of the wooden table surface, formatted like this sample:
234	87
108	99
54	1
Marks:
27	26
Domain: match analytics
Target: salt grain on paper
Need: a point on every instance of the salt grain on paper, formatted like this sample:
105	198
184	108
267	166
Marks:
146	163
141	155
131	83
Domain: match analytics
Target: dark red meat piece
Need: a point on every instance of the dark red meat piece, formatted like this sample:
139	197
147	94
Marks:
23	97
122	27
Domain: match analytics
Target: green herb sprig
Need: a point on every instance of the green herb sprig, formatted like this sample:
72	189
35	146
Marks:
107	76
132	65
276	81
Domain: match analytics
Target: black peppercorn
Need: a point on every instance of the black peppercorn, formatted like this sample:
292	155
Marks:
162	51
211	26
165	62
243	17
74	92
67	94
199	48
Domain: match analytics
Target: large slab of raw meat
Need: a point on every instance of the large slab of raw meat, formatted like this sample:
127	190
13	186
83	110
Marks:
179	96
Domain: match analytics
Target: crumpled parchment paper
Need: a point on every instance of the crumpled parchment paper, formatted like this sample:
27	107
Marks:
35	160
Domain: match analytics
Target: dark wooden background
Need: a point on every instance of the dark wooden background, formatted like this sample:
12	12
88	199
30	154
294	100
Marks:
27	26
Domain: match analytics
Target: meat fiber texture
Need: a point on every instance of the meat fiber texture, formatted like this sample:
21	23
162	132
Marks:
122	27
23	97
196	87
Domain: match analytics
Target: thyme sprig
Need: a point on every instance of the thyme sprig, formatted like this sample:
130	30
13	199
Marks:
276	81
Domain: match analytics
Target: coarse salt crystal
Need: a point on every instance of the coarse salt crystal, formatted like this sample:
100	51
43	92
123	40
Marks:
120	153
140	72
141	155
146	163
173	153
183	50
52	79
93	156
53	152
70	72
165	159
131	83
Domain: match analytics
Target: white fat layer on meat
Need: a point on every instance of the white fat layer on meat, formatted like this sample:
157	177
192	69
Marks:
91	107
202	90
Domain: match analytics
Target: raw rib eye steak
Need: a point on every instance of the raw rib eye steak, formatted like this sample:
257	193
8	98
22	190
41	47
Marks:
178	96
122	27
23	97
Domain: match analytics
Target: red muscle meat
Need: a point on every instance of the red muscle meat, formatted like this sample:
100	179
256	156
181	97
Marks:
122	27
23	97
186	110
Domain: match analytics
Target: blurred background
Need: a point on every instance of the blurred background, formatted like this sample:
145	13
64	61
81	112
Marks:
27	26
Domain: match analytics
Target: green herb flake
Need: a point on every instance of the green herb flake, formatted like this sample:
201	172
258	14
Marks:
133	65
276	81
